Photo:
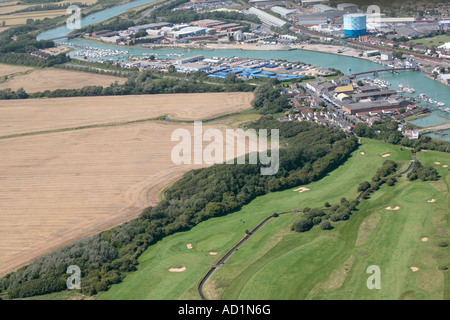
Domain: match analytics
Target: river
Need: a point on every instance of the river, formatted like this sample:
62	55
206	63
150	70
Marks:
416	80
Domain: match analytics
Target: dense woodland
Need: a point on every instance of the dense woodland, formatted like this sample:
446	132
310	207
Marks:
312	151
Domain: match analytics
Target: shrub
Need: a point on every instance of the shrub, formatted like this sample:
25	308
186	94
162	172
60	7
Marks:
325	225
302	225
443	244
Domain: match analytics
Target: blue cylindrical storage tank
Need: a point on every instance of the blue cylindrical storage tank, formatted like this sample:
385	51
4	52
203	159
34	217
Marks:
355	25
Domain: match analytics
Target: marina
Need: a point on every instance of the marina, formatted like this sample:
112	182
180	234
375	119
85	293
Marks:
429	87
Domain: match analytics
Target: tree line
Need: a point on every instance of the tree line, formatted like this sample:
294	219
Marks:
312	151
387	131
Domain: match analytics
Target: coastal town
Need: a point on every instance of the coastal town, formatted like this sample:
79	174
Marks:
331	97
224	150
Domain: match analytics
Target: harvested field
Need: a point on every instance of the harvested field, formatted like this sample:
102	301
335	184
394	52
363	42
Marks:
51	79
60	113
22	17
59	187
6	69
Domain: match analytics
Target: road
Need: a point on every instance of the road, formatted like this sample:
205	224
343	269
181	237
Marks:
440	127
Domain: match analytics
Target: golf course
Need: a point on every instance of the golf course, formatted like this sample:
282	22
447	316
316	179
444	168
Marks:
399	228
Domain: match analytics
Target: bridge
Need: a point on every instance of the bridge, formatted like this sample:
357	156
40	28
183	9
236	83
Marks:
383	70
71	36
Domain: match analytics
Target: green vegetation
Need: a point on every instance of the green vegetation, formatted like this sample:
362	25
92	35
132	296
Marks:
387	130
433	41
202	194
277	263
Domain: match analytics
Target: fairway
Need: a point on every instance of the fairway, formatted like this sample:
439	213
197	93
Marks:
277	263
52	79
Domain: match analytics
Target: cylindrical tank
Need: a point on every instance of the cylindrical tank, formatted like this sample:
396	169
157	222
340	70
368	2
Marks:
355	25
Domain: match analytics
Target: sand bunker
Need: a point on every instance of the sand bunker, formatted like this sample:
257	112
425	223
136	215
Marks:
395	208
445	166
212	253
424	239
414	268
189	246
385	155
431	200
362	152
301	189
437	163
181	269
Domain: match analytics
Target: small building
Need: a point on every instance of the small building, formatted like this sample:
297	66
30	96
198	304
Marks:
371	53
190	59
412	134
386	56
344	89
348	7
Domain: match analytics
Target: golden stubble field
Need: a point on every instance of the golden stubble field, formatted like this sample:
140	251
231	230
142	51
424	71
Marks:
51	79
59	187
35	115
6	69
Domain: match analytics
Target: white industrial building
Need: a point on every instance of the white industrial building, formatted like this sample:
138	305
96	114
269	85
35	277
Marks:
313	2
267	18
348	7
283	11
323	8
188	31
190	59
266	3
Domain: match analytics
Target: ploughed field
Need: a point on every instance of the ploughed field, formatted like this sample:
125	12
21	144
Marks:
59	186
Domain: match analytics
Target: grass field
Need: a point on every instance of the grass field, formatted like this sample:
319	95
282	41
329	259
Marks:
433	41
277	263
57	187
51	79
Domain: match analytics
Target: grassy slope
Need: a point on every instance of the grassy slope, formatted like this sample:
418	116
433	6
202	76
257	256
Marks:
328	265
272	256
